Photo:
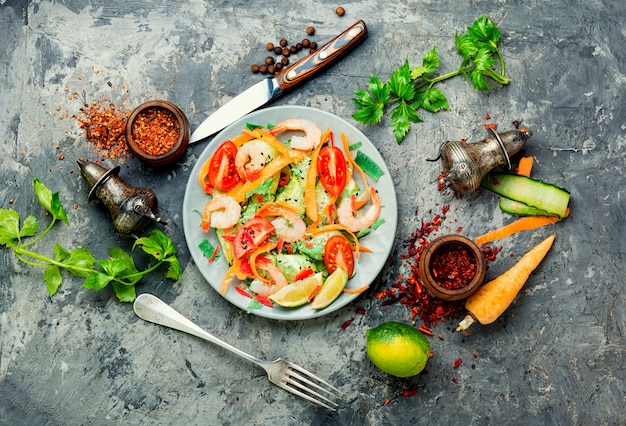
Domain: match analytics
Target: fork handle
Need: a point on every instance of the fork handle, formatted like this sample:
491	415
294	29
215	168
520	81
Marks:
153	309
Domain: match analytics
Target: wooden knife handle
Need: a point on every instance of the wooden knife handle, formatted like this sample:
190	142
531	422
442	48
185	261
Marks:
328	54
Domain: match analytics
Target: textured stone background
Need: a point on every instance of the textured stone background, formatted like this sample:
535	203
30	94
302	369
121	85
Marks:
555	357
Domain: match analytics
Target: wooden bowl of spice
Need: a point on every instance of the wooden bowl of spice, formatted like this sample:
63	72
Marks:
158	133
452	267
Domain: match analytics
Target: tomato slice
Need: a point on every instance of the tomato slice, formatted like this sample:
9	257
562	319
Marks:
251	235
331	169
338	254
222	171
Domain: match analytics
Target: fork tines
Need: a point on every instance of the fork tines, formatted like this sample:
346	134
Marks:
302	383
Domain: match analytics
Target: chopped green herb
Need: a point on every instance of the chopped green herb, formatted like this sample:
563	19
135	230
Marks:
368	165
355	146
208	250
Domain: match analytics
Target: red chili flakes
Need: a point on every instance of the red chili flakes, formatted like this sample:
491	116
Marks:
487	116
457	363
105	128
454	267
516	123
243	292
264	300
361	310
492	126
425	330
454	380
347	323
410	391
156	130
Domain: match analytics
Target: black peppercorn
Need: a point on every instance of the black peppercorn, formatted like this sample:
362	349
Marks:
263	69
284	61
270	46
306	42
286	51
278	50
255	68
340	11
269	60
313	45
293	49
271	69
278	66
283	42
310	30
298	46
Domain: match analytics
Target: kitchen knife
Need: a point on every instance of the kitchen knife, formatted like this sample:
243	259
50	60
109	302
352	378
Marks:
272	87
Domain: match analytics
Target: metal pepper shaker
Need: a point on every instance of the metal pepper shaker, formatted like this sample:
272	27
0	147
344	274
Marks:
466	164
131	208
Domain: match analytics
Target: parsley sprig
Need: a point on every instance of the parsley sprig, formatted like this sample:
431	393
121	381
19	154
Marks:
119	269
411	89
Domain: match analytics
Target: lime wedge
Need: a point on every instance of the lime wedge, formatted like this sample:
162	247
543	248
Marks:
332	288
298	293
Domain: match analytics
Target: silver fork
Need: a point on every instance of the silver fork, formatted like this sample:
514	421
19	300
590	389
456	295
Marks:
284	374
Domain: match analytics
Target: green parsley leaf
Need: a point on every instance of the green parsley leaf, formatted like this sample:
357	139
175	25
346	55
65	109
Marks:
432	100
80	262
400	83
97	281
50	201
371	103
124	293
53	279
9	226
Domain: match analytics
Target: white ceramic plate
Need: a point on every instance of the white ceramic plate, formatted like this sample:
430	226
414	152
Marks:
368	265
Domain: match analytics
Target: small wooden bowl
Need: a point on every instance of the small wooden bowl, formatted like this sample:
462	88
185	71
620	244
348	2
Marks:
448	242
176	151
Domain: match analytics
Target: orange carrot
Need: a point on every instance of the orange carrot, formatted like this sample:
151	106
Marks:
525	166
356	290
525	223
493	298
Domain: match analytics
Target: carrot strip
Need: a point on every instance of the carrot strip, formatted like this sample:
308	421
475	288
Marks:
355	166
228	278
310	200
356	290
525	166
493	298
267	137
525	223
289	157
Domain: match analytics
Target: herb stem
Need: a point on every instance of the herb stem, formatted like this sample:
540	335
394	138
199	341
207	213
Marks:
20	252
40	236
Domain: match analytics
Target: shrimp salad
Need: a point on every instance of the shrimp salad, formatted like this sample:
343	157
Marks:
285	210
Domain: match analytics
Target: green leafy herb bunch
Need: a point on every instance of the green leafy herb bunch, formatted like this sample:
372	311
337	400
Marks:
119	269
410	89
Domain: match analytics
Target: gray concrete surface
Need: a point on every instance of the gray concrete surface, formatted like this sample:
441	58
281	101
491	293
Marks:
557	356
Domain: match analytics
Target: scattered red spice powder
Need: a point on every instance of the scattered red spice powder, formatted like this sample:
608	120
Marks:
105	128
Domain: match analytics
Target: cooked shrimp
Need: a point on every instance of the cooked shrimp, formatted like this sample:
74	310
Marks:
221	212
288	224
355	221
250	160
267	288
312	134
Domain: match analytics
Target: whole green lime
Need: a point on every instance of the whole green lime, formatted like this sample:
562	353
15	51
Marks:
397	349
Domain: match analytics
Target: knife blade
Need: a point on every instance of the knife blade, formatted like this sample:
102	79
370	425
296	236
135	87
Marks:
272	87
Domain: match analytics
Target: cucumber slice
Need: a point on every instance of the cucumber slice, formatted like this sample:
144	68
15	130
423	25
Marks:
534	193
520	209
368	165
